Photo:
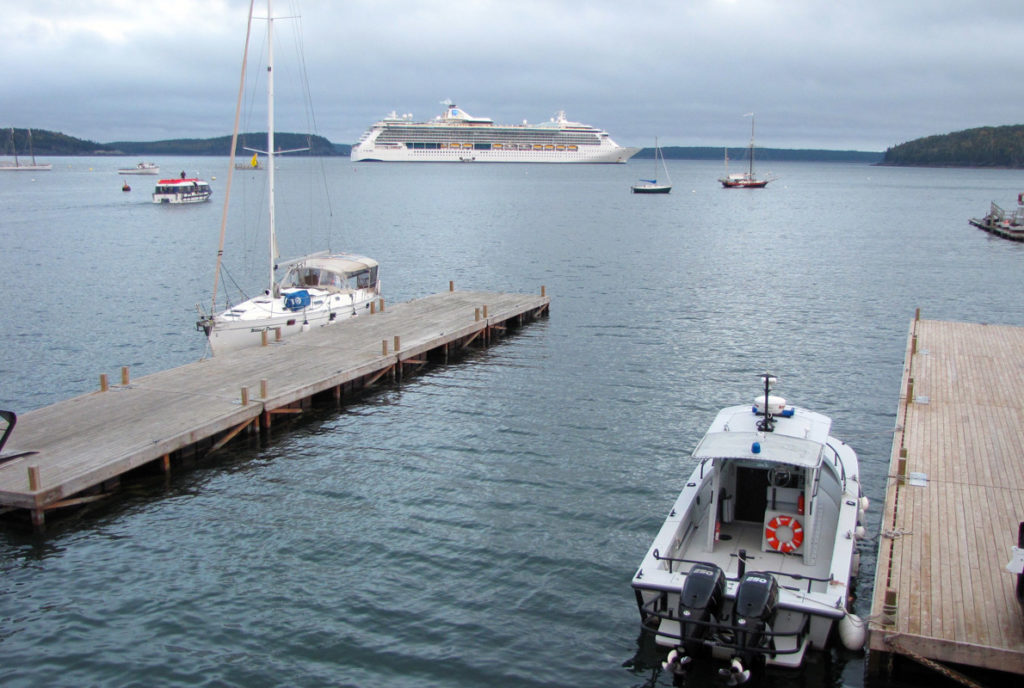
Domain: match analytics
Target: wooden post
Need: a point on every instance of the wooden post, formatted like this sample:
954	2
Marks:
382	304
913	345
263	388
917	314
477	318
277	334
451	285
264	339
398	344
245	396
485	310
165	464
384	347
901	465
543	290
34	483
910	391
373	307
889	608
104	385
124	375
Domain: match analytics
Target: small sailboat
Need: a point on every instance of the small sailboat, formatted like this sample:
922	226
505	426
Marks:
316	290
651	186
19	166
744	180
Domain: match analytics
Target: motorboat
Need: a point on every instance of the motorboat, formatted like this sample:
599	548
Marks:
182	190
651	186
316	290
754	565
1008	224
142	168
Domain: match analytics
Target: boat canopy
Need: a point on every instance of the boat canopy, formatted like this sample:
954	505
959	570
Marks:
769	447
339	271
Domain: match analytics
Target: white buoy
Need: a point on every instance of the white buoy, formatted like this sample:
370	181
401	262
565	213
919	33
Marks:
852	632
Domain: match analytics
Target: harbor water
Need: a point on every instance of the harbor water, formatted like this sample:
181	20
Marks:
479	524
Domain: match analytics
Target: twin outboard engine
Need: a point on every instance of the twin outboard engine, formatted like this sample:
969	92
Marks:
757	600
700	605
700	600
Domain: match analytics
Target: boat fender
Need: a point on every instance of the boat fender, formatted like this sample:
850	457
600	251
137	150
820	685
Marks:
675	662
860	532
852	632
864	503
855	565
783	521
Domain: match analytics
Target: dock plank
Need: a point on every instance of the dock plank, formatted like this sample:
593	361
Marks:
944	545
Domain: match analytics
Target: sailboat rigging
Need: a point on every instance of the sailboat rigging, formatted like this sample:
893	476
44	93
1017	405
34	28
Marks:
316	290
19	166
651	186
744	180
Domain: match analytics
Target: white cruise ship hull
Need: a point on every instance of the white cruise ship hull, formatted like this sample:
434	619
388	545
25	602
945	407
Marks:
402	154
457	136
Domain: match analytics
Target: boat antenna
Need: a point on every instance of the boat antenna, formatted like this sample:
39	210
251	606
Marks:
767	424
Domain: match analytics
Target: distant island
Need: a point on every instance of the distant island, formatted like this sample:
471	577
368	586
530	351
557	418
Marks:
55	143
981	147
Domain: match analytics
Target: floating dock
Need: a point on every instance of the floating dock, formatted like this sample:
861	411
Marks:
953	503
76	450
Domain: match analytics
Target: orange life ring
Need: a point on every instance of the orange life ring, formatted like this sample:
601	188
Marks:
783	521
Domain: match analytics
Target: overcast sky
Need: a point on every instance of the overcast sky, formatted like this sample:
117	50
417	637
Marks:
833	74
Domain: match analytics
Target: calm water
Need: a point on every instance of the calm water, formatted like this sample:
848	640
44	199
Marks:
480	524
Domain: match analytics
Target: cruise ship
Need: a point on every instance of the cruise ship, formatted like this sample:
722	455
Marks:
457	136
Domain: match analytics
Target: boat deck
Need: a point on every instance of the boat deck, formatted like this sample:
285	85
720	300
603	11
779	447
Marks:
83	442
954	499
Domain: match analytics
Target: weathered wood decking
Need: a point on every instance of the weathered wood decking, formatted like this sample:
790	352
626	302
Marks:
83	442
954	498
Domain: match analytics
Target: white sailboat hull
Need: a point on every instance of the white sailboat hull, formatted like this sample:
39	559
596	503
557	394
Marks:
244	325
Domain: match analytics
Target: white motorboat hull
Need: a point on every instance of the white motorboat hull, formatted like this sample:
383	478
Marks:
763	509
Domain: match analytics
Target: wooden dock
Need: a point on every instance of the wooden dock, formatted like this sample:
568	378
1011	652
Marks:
954	499
81	446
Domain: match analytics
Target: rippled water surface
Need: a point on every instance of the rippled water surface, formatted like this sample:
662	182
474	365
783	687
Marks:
479	524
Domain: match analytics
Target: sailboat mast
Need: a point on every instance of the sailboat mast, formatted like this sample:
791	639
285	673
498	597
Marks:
14	147
270	142
751	145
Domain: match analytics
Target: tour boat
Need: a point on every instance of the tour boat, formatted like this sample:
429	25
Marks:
316	290
744	180
753	566
183	190
142	168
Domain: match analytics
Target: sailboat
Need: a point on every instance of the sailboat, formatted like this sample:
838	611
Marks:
17	165
744	180
316	290
651	186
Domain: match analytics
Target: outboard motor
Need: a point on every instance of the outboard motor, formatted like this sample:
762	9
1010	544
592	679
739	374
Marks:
699	601
757	599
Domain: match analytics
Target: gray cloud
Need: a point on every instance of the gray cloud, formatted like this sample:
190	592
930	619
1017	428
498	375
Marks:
862	75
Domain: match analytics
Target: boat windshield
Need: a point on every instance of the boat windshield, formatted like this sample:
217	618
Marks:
329	279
